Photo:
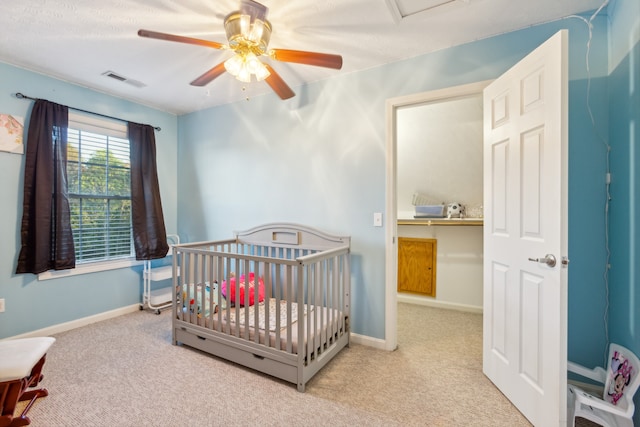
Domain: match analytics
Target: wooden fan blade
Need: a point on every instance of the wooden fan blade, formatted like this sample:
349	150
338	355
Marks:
207	77
310	58
179	39
278	85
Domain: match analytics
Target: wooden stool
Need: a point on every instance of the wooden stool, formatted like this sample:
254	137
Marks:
21	362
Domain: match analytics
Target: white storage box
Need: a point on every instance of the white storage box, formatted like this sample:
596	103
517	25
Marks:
430	211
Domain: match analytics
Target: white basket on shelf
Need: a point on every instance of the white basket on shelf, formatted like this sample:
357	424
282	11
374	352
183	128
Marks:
423	200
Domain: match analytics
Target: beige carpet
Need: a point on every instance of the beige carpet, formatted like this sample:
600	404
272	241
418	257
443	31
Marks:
125	372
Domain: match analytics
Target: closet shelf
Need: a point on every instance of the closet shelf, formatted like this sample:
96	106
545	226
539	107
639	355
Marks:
442	221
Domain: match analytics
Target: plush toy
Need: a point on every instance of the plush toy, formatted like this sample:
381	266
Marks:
455	210
251	286
195	303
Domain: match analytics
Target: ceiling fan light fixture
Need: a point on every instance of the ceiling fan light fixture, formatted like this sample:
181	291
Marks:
262	72
244	75
253	63
256	31
244	34
234	64
243	66
245	25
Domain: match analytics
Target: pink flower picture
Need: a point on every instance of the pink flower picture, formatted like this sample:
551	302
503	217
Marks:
11	131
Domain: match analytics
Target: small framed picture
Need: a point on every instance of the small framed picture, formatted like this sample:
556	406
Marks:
11	132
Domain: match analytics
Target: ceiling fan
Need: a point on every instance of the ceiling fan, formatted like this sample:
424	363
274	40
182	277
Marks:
248	33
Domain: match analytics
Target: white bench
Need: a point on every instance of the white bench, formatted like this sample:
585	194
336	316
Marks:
21	362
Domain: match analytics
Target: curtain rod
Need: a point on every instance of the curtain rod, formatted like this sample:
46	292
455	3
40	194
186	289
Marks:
22	96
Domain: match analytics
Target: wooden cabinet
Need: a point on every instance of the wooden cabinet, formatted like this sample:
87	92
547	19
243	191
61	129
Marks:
417	266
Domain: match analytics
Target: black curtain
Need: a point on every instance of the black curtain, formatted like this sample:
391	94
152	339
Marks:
149	235
46	235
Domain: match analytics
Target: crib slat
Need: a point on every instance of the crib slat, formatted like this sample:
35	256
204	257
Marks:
307	332
268	293
278	307
289	282
322	303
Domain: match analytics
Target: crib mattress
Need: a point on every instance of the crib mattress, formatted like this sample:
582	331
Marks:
233	321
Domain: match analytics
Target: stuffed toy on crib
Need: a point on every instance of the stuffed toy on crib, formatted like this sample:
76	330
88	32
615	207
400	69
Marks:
242	286
193	301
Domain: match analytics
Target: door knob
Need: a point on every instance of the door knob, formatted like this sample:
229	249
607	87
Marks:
548	259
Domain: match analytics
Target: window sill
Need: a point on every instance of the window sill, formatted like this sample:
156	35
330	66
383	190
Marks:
90	267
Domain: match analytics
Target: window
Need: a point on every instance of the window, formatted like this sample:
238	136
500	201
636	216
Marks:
98	176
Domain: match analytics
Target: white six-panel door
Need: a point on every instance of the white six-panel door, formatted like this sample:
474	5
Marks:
525	202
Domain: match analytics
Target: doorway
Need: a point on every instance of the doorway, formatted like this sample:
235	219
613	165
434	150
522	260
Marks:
393	106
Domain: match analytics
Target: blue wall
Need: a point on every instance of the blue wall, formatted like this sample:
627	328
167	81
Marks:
624	136
32	304
320	159
625	189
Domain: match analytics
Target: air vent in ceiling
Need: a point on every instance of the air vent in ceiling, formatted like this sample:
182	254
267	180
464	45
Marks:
120	78
401	9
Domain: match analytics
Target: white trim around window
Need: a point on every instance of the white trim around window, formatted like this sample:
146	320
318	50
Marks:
89	267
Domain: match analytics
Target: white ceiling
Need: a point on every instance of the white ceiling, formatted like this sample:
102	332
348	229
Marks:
79	40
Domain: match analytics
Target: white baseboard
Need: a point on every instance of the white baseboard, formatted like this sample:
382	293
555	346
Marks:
378	343
413	299
67	326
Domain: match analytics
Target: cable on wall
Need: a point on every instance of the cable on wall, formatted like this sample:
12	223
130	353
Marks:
607	201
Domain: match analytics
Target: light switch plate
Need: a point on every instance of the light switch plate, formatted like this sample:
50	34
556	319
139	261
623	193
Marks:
377	219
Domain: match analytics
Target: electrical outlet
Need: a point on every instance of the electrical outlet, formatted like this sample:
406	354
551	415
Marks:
1	305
